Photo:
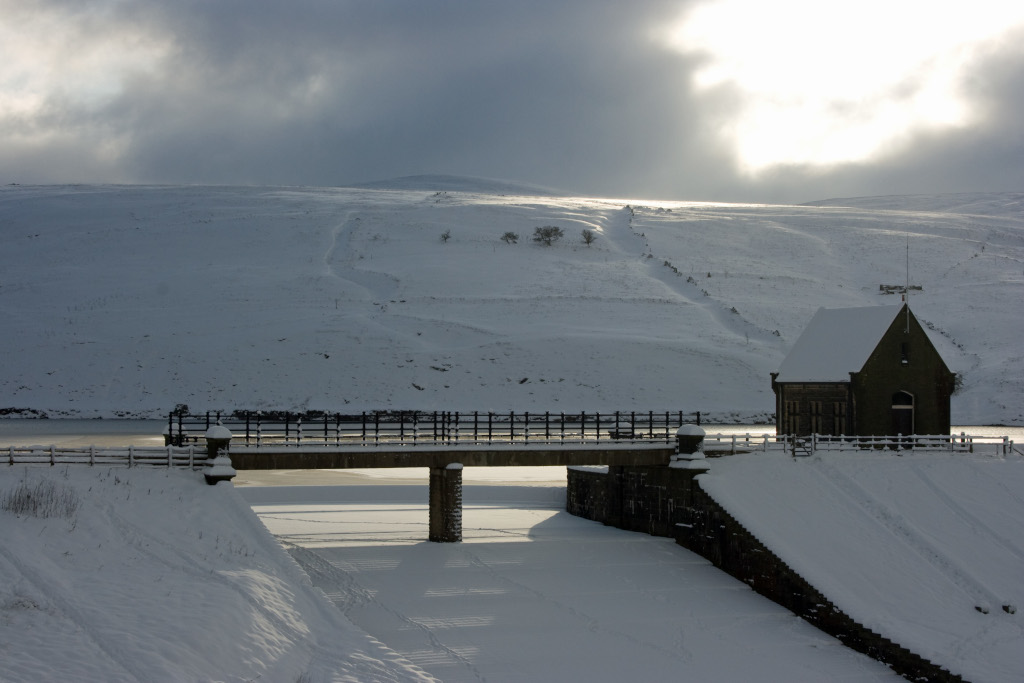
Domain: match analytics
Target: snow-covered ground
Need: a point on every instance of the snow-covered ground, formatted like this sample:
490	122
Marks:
534	594
155	576
128	300
924	548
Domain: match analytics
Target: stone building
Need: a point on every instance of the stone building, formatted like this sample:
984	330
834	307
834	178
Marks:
863	371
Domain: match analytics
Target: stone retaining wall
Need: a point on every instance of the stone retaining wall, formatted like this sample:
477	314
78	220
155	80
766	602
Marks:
664	501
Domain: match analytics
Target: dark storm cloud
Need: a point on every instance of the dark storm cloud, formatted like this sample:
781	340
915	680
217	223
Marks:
576	95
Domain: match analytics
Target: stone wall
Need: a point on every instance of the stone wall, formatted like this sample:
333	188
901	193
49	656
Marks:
665	501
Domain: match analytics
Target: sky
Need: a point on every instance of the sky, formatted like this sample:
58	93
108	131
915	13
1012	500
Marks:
729	100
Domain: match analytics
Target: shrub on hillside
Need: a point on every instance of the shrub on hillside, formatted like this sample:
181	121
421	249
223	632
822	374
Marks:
547	235
510	237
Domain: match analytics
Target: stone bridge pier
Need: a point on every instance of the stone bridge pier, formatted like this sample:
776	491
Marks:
446	503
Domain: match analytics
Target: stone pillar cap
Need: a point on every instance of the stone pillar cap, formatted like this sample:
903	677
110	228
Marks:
218	432
690	430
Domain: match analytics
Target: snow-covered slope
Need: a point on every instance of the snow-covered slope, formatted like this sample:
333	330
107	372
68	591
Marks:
154	576
925	549
129	300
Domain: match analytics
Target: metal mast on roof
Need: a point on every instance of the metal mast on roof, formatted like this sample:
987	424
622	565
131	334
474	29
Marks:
906	289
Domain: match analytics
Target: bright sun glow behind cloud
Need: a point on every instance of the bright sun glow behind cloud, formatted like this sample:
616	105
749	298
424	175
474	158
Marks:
820	83
48	61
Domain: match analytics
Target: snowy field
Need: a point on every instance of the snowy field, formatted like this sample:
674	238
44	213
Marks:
127	300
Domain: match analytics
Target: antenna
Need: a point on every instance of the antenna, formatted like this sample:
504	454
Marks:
906	290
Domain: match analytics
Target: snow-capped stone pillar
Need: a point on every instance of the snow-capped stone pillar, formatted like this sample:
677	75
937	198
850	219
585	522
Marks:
689	448
218	462
446	503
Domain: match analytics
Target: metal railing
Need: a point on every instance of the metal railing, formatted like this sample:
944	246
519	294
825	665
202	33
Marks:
421	428
813	443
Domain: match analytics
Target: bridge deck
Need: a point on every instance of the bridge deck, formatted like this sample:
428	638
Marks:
247	458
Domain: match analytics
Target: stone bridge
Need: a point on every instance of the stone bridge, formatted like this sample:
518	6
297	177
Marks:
445	463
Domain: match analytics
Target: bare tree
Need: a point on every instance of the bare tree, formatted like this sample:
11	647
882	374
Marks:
510	237
547	235
588	237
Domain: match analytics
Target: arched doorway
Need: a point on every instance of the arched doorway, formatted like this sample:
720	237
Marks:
902	413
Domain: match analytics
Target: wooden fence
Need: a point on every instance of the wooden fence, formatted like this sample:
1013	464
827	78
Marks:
191	456
420	428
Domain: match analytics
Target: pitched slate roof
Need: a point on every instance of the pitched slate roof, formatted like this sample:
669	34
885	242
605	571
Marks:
837	341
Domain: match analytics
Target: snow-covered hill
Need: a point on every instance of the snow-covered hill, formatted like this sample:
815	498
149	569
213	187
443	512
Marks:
131	299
